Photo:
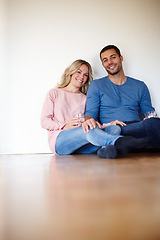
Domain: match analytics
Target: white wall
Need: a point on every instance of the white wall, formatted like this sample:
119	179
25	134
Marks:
5	108
42	37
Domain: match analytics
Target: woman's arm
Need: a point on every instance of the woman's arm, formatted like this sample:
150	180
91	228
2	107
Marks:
48	120
47	117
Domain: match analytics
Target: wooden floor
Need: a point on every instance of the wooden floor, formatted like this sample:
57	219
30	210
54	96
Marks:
80	197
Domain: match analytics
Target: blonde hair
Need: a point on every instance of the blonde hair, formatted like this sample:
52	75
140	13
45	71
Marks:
66	77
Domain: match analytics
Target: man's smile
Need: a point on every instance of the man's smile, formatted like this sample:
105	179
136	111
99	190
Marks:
111	67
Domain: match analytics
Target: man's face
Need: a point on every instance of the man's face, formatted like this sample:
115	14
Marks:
111	61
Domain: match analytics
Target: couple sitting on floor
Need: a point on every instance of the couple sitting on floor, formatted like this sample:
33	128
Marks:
115	96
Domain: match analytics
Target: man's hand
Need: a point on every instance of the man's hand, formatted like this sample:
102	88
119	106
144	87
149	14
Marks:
90	123
116	122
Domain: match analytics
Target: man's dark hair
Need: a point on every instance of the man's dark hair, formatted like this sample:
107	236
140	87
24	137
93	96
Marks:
111	47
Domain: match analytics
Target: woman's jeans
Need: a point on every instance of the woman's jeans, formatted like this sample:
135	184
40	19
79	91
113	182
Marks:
149	128
76	141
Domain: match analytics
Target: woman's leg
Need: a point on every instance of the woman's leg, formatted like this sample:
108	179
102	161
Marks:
87	149
110	149
113	129
100	137
68	141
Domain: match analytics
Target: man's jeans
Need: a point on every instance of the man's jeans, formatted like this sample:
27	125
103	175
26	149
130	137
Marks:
147	128
76	141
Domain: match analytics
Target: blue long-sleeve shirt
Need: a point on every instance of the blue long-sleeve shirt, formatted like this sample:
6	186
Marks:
107	101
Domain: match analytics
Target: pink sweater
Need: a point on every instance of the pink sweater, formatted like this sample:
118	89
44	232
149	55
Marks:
60	106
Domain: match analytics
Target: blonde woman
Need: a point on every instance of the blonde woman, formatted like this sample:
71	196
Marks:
65	133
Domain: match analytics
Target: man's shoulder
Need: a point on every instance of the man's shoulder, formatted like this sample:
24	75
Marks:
99	81
134	80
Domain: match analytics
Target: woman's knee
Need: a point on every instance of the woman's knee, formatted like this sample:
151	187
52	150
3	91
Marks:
69	140
113	130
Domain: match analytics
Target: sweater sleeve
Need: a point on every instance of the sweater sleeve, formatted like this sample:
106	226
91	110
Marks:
93	101
145	103
47	116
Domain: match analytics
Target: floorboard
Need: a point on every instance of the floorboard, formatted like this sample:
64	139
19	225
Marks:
80	197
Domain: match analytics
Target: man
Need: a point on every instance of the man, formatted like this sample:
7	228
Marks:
117	96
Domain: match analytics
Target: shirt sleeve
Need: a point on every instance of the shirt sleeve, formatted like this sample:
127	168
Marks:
93	101
47	117
145	103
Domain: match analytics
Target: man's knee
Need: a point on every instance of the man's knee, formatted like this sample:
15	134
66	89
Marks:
152	123
152	126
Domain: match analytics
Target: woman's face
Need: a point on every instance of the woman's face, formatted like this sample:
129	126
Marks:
79	78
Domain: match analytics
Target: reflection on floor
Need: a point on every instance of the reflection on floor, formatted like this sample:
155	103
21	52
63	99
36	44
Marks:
80	197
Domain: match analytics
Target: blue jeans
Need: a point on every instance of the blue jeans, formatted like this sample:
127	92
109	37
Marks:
76	141
147	128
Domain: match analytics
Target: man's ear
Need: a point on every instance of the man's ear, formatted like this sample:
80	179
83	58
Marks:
121	57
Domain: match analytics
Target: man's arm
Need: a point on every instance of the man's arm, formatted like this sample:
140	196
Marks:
93	101
145	103
91	123
92	108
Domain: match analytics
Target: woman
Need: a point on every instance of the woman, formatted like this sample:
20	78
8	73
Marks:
65	132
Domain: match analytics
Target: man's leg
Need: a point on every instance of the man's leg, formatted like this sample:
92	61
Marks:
147	128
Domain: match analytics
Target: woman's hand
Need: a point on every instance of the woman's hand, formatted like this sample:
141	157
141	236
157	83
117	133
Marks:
72	123
116	122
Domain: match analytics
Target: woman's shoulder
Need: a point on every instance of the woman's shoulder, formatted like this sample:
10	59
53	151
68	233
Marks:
55	91
62	91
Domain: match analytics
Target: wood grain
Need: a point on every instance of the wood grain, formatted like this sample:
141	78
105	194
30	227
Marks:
80	197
